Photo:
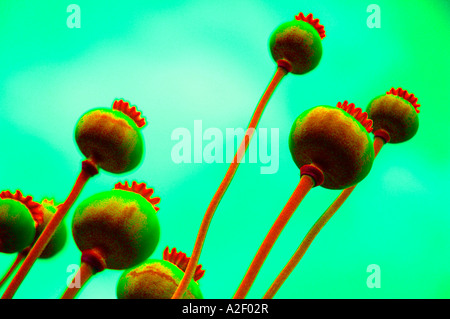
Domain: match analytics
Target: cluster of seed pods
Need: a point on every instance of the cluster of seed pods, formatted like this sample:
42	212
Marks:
21	222
119	229
330	145
110	139
394	119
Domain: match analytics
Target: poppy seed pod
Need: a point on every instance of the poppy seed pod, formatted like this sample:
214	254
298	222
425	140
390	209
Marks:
298	44
59	238
112	137
19	217
335	141
158	279
396	113
121	224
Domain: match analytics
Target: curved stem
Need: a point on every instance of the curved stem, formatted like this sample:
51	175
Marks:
85	272
17	261
315	229
304	186
88	170
190	269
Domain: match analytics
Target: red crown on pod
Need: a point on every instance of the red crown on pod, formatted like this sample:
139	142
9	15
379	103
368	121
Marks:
140	189
405	95
34	208
314	22
180	260
358	114
132	112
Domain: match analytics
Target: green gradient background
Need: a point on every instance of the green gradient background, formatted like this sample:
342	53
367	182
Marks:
181	61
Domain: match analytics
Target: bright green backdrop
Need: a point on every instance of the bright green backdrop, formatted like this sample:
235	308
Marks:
181	61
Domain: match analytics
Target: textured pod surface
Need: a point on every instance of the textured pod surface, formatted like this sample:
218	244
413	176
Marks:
111	138
59	238
17	226
395	115
298	43
122	224
154	279
335	142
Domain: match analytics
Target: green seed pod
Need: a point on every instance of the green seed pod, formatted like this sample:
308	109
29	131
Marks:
18	219
396	112
299	43
59	238
158	279
112	137
336	140
121	223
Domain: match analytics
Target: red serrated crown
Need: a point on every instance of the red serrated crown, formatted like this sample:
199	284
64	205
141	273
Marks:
358	114
180	260
132	112
314	22
140	189
407	96
34	208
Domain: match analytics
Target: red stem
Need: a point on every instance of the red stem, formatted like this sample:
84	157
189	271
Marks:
85	272
304	186
314	231
190	269
92	262
17	261
88	170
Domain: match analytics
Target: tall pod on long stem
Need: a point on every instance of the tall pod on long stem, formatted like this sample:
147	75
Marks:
296	46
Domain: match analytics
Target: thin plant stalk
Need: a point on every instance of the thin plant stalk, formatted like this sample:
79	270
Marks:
304	186
85	272
15	264
190	269
88	170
